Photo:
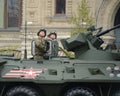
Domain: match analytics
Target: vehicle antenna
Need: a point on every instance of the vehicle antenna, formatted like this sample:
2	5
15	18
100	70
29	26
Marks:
25	51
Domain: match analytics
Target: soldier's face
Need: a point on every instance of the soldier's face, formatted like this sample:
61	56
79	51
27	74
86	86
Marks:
42	34
52	36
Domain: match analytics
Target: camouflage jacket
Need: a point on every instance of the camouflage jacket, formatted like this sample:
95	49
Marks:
40	47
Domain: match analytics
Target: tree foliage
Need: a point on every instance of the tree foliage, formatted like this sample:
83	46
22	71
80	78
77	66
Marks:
81	19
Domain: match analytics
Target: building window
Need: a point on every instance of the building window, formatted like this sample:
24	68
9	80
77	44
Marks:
60	6
12	15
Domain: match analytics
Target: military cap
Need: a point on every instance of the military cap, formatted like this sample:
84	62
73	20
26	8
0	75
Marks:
53	33
42	29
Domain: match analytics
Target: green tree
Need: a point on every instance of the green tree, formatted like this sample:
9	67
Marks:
81	19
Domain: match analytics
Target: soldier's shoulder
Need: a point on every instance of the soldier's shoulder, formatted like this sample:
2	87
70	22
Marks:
36	39
47	39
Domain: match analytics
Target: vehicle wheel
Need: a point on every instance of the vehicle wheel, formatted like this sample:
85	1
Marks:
80	92
116	93
22	91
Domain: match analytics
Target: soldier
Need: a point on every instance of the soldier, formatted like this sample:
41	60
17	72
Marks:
40	45
53	46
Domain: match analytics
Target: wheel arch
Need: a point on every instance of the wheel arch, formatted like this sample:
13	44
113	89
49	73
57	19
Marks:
9	85
71	85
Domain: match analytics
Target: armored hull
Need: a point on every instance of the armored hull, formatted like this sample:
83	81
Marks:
63	77
93	72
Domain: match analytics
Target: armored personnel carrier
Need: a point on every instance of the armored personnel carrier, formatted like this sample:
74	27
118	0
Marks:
93	72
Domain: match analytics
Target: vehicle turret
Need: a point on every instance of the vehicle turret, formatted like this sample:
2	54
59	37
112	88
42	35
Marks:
87	45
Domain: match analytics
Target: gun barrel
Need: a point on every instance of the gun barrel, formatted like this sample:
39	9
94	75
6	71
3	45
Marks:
106	31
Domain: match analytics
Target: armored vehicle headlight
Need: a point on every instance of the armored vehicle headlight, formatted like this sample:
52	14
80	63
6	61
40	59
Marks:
116	68
118	75
112	75
109	69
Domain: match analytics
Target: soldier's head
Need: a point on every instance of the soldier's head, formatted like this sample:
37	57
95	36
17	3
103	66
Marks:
41	32
52	35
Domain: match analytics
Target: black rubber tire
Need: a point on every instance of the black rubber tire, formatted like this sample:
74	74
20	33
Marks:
116	93
80	92
22	91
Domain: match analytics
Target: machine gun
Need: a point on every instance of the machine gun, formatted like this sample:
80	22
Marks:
88	46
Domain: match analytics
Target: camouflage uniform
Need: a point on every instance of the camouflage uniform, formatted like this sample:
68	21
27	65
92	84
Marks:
39	48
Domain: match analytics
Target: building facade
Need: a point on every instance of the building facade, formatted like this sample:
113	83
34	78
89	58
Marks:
20	19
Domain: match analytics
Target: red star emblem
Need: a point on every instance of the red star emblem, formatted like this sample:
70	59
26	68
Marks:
24	73
31	73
